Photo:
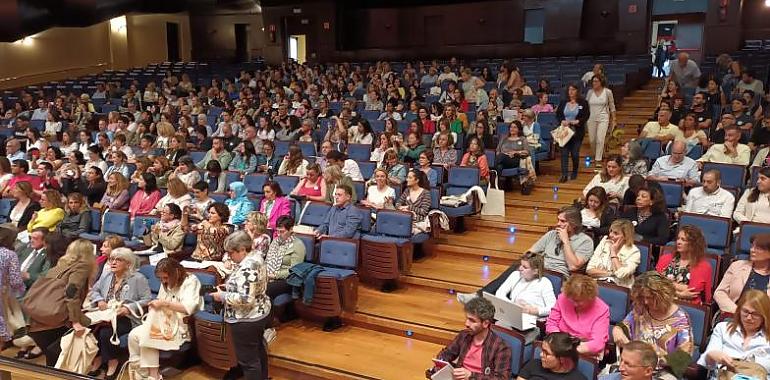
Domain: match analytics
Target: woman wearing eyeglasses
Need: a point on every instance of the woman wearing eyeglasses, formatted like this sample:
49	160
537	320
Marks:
745	338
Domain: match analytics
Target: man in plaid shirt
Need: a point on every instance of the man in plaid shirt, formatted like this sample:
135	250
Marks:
477	353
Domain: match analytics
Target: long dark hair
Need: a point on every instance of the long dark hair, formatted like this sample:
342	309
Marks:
601	194
422	178
150	183
754	194
175	271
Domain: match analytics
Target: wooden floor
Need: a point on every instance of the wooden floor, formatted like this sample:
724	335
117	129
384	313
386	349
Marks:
395	335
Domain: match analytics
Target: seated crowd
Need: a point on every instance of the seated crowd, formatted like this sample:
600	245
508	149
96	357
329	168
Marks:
189	159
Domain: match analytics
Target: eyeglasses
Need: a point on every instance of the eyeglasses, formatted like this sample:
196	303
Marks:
753	314
114	259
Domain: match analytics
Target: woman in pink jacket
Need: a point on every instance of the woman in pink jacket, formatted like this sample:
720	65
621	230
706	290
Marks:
274	205
580	313
145	199
743	275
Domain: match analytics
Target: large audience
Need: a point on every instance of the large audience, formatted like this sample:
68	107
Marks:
185	154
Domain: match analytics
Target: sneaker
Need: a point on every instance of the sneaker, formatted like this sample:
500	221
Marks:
464	298
270	335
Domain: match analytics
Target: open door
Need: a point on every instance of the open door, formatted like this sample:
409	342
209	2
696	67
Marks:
297	48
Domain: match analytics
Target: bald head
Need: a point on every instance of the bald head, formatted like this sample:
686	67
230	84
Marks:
678	150
683	58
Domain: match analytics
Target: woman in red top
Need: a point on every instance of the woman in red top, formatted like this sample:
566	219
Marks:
428	126
687	267
312	187
476	157
146	197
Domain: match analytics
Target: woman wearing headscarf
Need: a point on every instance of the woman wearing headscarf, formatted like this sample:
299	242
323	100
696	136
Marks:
239	204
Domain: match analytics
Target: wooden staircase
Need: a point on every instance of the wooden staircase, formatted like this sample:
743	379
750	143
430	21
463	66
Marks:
394	335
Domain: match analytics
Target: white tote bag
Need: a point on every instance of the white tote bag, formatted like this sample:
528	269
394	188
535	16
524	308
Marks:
495	200
77	352
562	134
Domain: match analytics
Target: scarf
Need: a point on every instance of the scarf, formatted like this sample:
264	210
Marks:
168	226
279	248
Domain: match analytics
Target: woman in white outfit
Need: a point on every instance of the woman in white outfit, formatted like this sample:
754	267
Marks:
602	105
179	293
528	288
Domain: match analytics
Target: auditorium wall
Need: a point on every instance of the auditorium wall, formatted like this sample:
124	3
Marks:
60	53
214	34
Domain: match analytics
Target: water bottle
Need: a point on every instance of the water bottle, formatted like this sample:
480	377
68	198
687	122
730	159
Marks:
534	214
588	161
555	192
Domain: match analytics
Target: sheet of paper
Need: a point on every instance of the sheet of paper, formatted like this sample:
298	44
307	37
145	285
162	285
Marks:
154	259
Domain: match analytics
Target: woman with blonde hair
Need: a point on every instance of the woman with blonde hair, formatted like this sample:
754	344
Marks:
50	214
528	287
143	164
116	196
75	268
165	133
616	257
179	295
745	338
687	266
656	319
334	177
256	227
77	219
581	313
177	194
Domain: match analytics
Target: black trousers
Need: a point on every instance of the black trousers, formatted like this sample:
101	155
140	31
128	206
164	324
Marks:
495	284
250	348
572	148
49	341
277	287
107	350
503	161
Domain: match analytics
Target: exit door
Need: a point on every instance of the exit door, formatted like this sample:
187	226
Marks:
297	48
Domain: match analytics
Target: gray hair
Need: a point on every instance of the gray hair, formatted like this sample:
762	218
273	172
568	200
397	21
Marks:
634	150
127	255
573	217
238	240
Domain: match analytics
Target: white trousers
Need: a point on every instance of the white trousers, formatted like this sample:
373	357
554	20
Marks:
145	356
597	134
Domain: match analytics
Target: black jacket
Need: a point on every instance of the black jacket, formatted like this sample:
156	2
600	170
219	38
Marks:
583	113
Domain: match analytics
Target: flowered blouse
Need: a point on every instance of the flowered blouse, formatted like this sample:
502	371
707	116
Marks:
666	336
211	242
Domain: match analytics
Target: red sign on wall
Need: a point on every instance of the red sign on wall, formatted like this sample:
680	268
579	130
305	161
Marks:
632	8
271	28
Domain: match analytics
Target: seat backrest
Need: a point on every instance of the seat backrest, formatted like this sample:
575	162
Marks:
367	168
281	147
205	278
314	213
653	150
219	197
732	175
673	192
749	229
117	222
441	171
516	342
394	223
142	225
715	261
461	179
149	272
232	176
617	298
366	219
309	242
6	204
307	148
645	261
359	152
287	183
338	252
588	368
556	278
435	198
255	183
699	318
696	152
197	156
754	176
716	230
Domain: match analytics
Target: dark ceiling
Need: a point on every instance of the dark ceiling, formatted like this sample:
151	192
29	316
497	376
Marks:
20	18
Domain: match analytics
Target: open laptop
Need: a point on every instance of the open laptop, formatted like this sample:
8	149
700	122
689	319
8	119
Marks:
511	315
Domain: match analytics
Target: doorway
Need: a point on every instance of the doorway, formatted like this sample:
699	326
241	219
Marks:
662	37
172	41
297	48
242	43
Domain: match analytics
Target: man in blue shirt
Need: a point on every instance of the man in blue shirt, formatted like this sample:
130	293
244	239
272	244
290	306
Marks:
343	220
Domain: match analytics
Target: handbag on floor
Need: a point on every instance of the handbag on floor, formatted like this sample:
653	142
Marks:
77	352
495	200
